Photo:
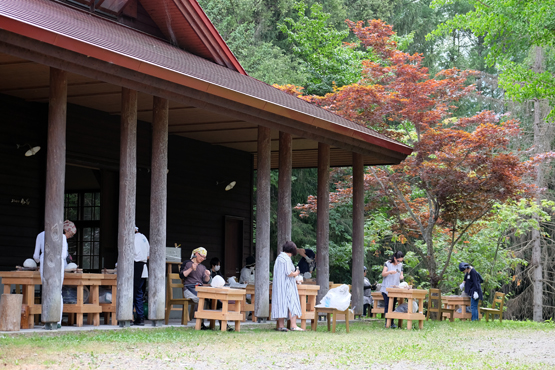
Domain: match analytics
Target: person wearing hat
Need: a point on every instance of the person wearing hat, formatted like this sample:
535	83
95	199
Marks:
69	231
367	302
247	273
140	273
194	273
472	286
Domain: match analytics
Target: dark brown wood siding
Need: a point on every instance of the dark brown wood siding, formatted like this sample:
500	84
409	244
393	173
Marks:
197	205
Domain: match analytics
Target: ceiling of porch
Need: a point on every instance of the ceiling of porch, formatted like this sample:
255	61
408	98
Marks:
30	81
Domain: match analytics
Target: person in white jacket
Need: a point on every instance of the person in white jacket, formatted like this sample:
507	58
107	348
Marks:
69	231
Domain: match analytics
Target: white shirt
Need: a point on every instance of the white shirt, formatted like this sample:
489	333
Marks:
38	256
247	277
142	248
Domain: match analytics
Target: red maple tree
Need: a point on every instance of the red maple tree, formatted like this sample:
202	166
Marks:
460	167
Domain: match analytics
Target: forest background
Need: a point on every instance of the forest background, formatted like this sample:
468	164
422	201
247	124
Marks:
488	69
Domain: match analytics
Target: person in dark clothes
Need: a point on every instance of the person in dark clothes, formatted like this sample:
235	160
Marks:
367	294
215	267
472	286
307	262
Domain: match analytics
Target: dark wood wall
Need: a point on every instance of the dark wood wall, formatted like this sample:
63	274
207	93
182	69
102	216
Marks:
197	205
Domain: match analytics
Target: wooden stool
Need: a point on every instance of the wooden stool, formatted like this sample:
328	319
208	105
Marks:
335	312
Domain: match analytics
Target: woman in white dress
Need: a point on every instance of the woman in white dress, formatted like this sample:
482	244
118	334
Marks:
285	297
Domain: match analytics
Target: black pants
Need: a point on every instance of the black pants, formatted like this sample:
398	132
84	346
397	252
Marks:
386	303
138	283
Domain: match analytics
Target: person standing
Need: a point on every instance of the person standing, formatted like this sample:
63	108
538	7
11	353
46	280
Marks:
472	286
69	231
194	273
285	297
307	264
367	293
140	273
392	275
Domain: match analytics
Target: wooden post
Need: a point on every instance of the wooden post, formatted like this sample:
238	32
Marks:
127	195
262	276
10	312
158	207
54	202
284	190
323	222
358	234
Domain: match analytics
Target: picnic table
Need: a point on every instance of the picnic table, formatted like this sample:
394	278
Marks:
29	279
307	297
229	312
456	302
409	295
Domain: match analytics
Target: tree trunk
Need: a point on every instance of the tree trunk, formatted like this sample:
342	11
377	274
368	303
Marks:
537	273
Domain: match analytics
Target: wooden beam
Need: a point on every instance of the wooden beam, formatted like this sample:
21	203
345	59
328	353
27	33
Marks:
284	189
358	234
54	204
323	221
158	211
262	278
26	48
127	200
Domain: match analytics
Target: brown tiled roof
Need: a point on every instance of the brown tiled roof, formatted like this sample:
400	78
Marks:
97	37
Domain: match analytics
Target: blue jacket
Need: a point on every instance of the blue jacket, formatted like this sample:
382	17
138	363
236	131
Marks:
472	283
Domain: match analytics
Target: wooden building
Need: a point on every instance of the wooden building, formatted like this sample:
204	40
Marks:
143	117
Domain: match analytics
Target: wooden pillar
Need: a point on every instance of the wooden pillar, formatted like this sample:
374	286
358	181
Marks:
158	208
127	199
323	222
284	190
358	234
262	276
54	203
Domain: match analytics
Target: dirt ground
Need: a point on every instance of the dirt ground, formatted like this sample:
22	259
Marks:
441	347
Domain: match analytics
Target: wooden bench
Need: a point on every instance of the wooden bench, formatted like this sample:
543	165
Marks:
335	313
498	301
435	304
377	297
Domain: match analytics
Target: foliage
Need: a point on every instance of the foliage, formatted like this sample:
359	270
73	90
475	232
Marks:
460	167
508	27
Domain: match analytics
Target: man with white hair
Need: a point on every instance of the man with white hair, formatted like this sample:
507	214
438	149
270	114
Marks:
69	231
140	273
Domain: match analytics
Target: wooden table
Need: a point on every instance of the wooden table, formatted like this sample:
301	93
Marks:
109	309
224	315
307	296
456	302
409	295
29	279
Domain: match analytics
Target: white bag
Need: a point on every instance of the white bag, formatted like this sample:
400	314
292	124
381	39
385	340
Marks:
217	282
338	298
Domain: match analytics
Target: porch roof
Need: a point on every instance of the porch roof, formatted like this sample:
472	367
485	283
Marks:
58	28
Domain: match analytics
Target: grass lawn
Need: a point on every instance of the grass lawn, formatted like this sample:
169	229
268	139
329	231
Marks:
440	345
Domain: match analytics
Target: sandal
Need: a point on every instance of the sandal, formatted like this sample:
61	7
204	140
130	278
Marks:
296	328
282	329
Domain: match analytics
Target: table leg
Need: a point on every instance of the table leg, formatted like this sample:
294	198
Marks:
253	303
303	324
389	309
400	323
79	304
198	324
329	321
334	321
314	322
347	314
28	299
114	300
420	324
7	289
409	324
237	325
223	324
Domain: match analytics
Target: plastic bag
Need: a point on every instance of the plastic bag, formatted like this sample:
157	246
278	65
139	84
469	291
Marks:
299	279
338	298
217	282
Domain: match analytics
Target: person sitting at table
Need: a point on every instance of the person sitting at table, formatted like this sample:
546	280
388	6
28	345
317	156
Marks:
392	275
247	272
285	296
367	302
307	264
69	231
194	273
472	286
215	267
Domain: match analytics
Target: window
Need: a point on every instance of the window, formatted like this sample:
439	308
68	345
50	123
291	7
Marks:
108	7
83	208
